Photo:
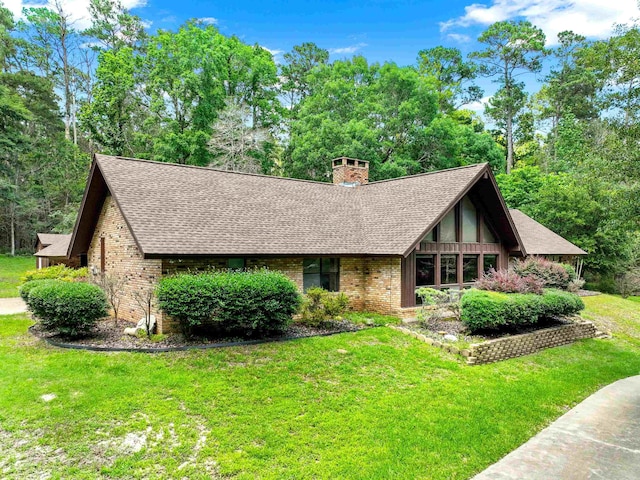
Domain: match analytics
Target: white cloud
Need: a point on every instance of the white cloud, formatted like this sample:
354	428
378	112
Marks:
592	18
209	20
77	9
478	105
349	49
273	52
459	37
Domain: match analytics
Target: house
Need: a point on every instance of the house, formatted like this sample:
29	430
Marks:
377	241
51	249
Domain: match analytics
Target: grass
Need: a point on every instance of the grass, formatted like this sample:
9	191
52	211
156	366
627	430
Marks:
11	269
373	404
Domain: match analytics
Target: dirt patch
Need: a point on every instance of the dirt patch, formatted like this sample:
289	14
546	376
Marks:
107	335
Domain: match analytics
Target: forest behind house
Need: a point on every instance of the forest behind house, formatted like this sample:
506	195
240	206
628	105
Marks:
567	154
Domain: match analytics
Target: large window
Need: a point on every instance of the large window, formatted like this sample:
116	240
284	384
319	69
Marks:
469	221
469	268
490	262
448	269
448	228
425	270
235	263
321	272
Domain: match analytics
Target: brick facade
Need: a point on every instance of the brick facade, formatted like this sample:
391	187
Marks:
123	259
372	283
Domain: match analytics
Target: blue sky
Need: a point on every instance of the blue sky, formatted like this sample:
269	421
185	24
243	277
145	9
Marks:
381	30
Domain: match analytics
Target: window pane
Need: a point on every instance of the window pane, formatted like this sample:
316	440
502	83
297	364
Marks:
488	235
469	221
469	268
430	237
334	265
310	280
311	265
448	269
448	227
490	261
425	270
235	263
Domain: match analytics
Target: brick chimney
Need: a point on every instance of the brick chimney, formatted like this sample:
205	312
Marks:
350	171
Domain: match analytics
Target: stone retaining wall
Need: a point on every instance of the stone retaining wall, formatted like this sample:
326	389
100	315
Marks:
519	345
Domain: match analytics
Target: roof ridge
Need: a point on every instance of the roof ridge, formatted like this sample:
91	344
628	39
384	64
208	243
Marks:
211	169
483	164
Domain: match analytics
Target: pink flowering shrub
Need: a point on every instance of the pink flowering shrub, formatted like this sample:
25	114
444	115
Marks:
508	281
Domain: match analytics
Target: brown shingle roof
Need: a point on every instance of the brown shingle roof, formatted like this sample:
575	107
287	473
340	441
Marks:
539	240
56	245
184	210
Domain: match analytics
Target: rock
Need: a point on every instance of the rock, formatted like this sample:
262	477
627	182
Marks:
142	324
47	397
442	333
131	331
450	338
342	351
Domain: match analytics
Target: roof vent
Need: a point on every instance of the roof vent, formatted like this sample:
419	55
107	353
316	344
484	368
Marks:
350	172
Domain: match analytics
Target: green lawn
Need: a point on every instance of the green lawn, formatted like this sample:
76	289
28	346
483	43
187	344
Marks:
388	407
11	269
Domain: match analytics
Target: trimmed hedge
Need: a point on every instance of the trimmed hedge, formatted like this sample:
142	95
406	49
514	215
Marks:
26	288
484	309
70	308
249	303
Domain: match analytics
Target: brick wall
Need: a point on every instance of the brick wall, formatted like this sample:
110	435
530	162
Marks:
519	345
124	259
382	284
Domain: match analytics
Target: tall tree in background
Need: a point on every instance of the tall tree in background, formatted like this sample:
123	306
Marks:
299	63
513	48
113	26
451	75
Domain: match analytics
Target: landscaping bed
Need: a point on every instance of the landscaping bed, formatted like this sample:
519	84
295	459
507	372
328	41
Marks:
106	335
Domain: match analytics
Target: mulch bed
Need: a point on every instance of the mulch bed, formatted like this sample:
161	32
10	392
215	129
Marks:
106	335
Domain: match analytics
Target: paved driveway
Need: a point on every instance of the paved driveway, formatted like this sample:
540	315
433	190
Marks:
599	438
10	306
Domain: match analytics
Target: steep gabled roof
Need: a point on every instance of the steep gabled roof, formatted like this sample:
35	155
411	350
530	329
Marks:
184	210
539	240
56	245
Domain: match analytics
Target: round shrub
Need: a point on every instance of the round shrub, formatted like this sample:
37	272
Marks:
559	303
249	303
69	308
26	288
319	306
552	274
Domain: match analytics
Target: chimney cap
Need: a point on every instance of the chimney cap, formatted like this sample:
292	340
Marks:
351	162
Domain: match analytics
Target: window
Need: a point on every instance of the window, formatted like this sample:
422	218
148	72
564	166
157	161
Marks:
448	269
448	227
469	221
430	237
469	268
321	272
490	261
425	270
235	263
83	260
488	235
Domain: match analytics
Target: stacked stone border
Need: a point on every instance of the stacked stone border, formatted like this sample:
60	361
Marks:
515	346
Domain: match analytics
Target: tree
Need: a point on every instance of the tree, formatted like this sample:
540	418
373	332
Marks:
450	73
113	286
299	64
235	142
513	48
114	26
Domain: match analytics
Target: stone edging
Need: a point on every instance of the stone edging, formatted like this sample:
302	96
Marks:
514	346
93	348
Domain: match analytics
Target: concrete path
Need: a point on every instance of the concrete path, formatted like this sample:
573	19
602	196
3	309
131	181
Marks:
9	306
599	438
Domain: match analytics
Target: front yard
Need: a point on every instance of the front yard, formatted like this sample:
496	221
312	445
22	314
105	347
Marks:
370	404
11	271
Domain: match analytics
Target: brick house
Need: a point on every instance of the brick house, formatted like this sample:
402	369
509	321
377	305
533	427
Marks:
377	241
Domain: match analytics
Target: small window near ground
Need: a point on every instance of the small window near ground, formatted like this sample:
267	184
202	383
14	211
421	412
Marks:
321	272
236	263
469	268
448	269
490	262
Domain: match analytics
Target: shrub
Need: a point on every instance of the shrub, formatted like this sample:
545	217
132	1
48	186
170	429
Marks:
552	274
70	308
431	296
319	306
439	303
575	285
250	303
26	288
486	309
57	272
507	281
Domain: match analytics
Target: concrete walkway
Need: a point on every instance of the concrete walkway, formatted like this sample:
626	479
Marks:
9	306
599	438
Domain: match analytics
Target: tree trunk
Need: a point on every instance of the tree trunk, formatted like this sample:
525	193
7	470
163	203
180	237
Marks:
13	229
509	142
